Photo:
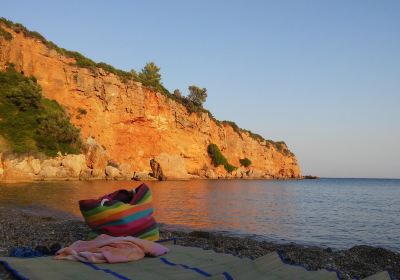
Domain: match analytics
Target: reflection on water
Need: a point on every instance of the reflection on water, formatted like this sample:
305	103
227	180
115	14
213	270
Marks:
332	212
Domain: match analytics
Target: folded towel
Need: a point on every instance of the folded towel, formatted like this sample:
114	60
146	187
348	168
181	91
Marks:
109	249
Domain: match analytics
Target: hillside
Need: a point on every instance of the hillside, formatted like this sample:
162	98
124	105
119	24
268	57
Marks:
30	123
134	124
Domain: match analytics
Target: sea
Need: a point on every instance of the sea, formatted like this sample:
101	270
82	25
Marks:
328	212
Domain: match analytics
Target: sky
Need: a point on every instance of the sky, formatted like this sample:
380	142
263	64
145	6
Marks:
324	76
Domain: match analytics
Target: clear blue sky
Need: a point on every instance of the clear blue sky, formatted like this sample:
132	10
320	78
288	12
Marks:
324	76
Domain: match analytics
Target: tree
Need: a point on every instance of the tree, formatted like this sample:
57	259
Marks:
197	95
150	76
177	93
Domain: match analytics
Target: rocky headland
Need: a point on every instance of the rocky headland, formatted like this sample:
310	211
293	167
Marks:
125	125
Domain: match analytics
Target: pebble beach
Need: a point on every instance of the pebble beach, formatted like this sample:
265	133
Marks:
21	228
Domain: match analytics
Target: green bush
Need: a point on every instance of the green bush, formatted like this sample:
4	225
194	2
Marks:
197	95
82	111
218	158
234	126
239	131
177	93
188	103
125	76
55	132
229	167
6	35
24	93
31	123
245	162
80	60
280	146
256	136
192	107
6	22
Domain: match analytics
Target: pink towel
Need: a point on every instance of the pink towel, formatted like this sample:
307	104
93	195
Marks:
105	248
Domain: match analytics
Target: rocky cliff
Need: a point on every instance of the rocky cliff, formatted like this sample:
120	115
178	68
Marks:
134	124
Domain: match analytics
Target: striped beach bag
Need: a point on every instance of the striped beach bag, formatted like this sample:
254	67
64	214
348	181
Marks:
122	213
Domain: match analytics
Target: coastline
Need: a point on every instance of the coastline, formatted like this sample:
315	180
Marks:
54	180
29	229
95	164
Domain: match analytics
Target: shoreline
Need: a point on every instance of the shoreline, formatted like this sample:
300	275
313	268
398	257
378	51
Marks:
74	179
27	229
53	180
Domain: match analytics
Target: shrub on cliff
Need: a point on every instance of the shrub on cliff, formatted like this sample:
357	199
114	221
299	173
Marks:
239	131
24	93
218	158
82	111
55	132
280	146
229	167
125	76
245	162
194	101
234	126
31	123
197	95
150	76
177	93
191	107
6	35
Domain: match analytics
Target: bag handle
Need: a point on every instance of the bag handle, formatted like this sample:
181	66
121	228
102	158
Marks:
104	200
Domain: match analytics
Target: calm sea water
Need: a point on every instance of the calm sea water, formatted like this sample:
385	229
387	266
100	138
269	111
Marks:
331	212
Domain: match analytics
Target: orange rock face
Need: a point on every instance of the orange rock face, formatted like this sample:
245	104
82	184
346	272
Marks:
133	123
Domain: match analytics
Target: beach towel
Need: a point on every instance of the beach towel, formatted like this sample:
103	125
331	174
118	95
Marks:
180	263
122	213
108	249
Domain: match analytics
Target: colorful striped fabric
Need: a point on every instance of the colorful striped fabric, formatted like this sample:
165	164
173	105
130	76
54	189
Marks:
122	213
